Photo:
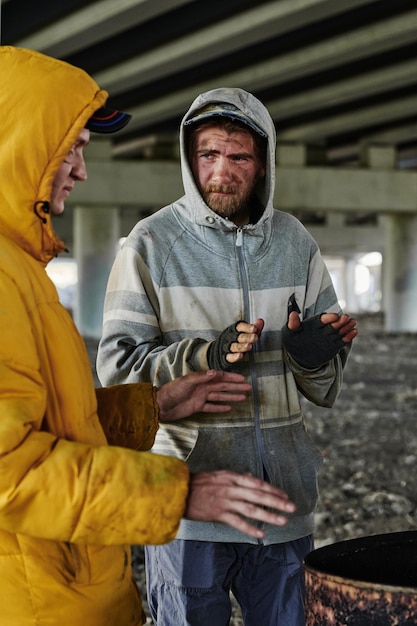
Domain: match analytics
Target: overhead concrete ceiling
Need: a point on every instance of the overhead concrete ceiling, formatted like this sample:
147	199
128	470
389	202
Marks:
335	74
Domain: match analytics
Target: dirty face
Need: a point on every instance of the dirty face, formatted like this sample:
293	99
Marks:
226	168
73	169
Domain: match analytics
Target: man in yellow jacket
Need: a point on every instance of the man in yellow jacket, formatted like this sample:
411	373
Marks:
70	503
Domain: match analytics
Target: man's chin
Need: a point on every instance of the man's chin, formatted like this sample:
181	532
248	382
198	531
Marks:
57	209
226	207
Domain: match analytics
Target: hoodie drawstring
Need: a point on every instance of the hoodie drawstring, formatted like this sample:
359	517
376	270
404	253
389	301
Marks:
44	207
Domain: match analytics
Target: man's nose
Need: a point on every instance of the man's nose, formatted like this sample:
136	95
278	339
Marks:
222	170
79	170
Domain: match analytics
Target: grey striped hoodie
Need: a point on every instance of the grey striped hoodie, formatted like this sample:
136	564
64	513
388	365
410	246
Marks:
183	275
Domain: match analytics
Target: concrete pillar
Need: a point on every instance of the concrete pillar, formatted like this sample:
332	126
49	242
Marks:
352	304
96	238
400	273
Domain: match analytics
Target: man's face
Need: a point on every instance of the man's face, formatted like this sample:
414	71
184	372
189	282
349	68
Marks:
226	169
71	170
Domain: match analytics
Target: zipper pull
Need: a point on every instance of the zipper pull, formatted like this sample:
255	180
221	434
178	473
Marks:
292	304
239	237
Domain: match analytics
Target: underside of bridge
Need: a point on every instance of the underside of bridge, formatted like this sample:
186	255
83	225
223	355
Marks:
338	77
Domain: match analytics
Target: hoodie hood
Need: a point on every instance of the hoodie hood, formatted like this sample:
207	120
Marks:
45	104
254	110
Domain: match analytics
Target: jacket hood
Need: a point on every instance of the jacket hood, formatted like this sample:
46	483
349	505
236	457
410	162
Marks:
252	108
45	104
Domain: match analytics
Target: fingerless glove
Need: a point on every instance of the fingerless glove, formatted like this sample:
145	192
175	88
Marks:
216	354
313	344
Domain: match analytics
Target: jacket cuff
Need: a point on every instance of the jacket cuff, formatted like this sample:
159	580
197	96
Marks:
198	361
128	414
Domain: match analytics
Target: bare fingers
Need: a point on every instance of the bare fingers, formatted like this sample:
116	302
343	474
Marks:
236	499
238	522
346	326
248	335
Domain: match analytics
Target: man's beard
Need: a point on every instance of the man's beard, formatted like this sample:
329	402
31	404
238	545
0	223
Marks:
235	204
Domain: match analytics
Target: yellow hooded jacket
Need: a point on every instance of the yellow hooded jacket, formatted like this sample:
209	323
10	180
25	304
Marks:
70	504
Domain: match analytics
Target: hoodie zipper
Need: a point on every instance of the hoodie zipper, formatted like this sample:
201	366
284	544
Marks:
254	381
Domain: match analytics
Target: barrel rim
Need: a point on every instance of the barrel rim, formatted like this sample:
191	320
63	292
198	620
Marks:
404	537
360	584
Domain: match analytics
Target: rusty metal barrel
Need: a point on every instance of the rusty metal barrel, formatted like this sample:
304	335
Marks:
369	581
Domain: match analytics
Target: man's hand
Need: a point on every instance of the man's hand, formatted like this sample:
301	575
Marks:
248	335
209	392
345	324
317	340
232	344
227	497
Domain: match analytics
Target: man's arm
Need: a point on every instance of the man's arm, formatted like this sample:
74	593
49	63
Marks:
219	496
133	347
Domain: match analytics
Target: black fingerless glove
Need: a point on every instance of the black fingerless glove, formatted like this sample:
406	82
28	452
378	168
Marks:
216	354
313	344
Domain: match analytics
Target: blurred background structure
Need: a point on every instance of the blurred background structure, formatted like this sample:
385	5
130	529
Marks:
340	80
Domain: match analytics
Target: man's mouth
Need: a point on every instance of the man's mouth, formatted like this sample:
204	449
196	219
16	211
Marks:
221	189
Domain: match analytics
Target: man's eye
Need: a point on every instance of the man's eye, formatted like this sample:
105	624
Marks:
71	155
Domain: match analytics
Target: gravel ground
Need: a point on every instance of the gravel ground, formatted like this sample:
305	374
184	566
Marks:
368	440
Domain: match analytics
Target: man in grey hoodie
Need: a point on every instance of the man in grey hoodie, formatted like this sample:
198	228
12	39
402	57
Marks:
220	279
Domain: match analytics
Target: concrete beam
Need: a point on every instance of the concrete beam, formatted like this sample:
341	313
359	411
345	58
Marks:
94	23
354	120
215	41
132	183
345	90
333	52
346	241
308	188
337	189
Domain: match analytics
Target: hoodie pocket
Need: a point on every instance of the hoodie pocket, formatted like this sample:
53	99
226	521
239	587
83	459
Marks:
293	463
